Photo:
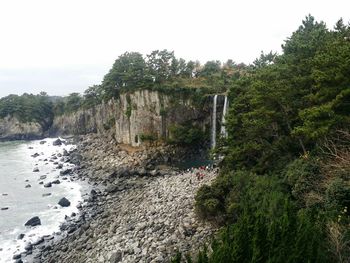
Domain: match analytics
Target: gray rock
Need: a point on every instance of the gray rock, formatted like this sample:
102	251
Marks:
34	221
116	257
47	185
64	202
112	188
28	247
57	142
65	172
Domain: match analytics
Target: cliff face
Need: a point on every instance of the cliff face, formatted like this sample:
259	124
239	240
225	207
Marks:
91	120
136	115
12	129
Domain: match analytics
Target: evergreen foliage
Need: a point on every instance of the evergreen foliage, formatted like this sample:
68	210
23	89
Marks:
28	108
283	192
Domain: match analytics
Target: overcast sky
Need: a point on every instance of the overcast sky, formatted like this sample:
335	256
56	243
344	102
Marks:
64	46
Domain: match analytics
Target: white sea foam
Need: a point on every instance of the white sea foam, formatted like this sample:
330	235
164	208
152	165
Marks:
16	165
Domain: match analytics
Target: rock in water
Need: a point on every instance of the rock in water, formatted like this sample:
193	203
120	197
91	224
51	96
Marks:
34	221
65	172
56	182
64	202
21	236
58	142
47	185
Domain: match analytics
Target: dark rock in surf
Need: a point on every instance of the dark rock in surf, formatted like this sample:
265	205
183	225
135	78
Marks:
57	142
28	247
34	221
64	202
65	172
48	185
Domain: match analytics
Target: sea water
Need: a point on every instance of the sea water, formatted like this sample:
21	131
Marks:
16	171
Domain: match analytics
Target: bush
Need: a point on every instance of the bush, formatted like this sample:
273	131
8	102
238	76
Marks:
303	176
271	230
186	134
338	194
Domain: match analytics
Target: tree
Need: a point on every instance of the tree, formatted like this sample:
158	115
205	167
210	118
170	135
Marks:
159	65
128	71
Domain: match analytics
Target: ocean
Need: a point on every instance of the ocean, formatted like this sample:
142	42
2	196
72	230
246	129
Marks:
22	197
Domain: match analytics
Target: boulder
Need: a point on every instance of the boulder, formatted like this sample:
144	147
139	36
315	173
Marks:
67	171
28	247
20	236
64	202
56	181
34	221
48	185
57	142
36	169
116	257
112	188
42	142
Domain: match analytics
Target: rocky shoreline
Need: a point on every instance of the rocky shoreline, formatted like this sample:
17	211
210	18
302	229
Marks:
137	210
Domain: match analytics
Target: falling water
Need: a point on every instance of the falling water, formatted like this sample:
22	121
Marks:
213	128
223	121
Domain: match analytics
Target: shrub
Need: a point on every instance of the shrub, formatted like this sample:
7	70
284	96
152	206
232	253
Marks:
338	194
303	176
186	134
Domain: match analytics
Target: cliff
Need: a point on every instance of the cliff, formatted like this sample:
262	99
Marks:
137	115
13	129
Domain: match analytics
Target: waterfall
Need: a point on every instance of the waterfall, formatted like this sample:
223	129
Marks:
223	131
213	127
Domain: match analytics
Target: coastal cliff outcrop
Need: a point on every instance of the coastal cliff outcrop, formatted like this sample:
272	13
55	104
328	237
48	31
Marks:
138	115
13	129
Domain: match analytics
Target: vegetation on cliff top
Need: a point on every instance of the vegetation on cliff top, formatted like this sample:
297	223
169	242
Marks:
28	108
284	191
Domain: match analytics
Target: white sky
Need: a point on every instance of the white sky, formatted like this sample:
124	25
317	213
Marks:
63	46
